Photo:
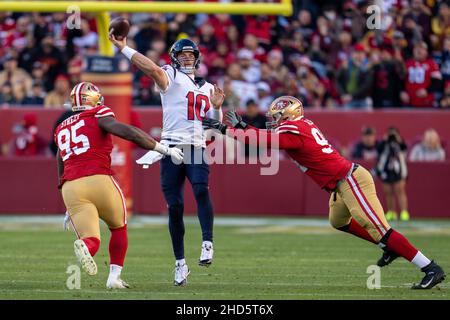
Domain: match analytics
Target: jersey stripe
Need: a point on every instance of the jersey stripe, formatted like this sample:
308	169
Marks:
105	115
287	126
103	110
124	206
364	206
79	92
291	131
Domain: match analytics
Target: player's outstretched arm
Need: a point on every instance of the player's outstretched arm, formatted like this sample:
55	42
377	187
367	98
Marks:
263	137
136	135
142	62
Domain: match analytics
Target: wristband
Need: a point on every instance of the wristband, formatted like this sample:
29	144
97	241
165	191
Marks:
161	148
128	52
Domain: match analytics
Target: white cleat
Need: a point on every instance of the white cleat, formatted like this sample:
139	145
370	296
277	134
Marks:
181	274
116	283
206	257
84	257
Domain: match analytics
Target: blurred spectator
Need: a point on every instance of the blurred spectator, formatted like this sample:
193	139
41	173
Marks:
366	149
253	116
219	60
231	99
88	38
251	43
6	95
440	25
17	78
443	59
354	80
250	68
27	141
264	95
278	71
305	24
52	60
429	149
392	170
388	75
417	22
60	95
243	90
322	31
313	90
37	95
423	77
445	101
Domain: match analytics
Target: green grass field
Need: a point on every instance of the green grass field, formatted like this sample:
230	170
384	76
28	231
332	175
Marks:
254	259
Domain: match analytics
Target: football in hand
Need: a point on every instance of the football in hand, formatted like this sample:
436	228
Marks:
120	27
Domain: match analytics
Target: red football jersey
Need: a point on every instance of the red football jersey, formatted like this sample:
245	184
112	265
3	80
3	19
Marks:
315	156
83	146
419	74
308	148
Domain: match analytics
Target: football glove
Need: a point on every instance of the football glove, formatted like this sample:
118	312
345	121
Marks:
235	119
175	153
209	123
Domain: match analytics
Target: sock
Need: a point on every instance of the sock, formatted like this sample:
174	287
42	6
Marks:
180	262
354	228
397	243
93	244
207	243
420	260
118	245
204	209
114	271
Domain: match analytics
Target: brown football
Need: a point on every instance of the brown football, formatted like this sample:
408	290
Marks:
121	27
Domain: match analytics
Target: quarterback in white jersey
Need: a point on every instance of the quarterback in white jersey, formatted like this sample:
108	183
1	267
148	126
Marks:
186	100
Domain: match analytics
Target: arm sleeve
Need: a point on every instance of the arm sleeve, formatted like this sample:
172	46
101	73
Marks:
286	139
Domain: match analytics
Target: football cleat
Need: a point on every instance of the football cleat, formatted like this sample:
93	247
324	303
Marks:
391	215
387	258
206	256
116	283
181	273
84	257
404	215
433	275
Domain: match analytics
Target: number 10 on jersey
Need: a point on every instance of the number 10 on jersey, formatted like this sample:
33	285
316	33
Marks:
197	103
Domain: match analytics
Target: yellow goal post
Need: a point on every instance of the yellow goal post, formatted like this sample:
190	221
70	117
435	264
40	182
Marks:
102	8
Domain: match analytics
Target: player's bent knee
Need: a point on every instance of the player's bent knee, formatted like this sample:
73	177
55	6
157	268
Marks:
200	190
175	209
339	224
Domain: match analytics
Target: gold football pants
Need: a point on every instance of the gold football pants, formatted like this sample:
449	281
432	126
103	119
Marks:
356	198
89	198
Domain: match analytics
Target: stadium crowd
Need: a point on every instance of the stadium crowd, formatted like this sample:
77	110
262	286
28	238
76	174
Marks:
325	54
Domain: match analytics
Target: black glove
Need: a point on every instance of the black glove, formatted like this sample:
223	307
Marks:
209	123
235	120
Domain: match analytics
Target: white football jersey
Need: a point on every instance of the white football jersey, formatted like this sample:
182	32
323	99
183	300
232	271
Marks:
185	102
